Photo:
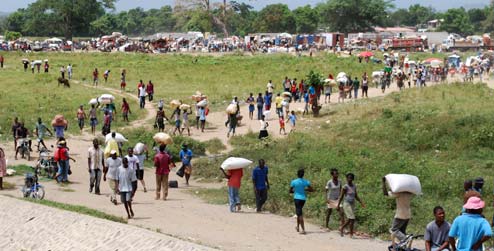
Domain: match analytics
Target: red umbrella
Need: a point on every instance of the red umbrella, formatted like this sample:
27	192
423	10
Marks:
366	54
429	60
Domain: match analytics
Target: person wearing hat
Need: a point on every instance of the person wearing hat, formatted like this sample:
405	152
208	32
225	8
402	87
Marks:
470	230
62	158
110	173
186	157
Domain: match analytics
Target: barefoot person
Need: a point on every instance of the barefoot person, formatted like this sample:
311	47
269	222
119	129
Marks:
81	116
110	173
125	177
348	196
333	191
299	187
93	119
125	110
160	119
142	155
96	165
40	131
3	167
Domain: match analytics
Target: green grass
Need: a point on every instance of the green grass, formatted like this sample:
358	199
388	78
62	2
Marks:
442	134
21	170
214	146
80	210
8	185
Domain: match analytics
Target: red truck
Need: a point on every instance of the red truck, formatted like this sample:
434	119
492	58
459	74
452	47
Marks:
409	44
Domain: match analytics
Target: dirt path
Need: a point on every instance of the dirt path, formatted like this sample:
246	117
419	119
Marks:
186	216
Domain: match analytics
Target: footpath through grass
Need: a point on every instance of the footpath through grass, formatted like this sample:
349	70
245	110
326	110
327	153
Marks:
442	134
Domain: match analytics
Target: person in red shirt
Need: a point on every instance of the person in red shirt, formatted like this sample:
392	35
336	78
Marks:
162	162
234	180
95	77
150	90
125	110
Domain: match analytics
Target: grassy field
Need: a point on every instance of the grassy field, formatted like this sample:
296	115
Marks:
29	96
443	134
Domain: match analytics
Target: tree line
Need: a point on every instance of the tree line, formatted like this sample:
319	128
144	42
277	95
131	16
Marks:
91	18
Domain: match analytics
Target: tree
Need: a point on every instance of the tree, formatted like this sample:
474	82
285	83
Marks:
12	35
354	15
61	17
276	18
457	21
241	18
419	15
209	11
306	19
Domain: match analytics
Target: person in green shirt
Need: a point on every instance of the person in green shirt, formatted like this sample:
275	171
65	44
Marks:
41	130
356	86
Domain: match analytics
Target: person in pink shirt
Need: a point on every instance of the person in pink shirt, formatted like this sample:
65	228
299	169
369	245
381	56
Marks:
162	162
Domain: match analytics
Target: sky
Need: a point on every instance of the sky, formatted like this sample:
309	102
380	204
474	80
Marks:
441	5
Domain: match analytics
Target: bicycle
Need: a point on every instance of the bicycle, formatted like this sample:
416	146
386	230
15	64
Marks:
405	244
31	188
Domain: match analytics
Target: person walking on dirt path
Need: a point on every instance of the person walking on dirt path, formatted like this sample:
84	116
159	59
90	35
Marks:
162	163
178	122
160	119
470	229
125	110
234	182
299	187
110	173
261	184
81	117
40	131
292	118
251	103
436	232
186	157
93	120
333	192
348	196
202	117
263	132
69	71
139	85
62	157
403	212
123	82
232	121
142	96
106	74
267	101
106	124
185	121
282	125
134	164
278	104
150	90
125	177
14	127
95	77
142	156
260	104
95	166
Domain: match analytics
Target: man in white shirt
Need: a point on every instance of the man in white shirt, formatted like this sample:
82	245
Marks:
96	164
403	212
69	71
142	96
270	87
134	165
125	177
110	172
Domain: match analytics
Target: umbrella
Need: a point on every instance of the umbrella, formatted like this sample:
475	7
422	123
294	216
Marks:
235	163
366	54
429	60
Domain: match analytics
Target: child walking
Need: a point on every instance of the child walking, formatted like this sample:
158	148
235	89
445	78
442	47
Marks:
282	125
292	118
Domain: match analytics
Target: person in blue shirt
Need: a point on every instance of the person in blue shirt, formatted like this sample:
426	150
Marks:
470	229
299	187
202	117
186	157
306	100
261	184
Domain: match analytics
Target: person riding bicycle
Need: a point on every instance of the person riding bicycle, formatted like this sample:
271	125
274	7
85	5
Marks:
21	136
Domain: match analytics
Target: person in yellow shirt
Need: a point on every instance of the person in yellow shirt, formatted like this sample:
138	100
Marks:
279	107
